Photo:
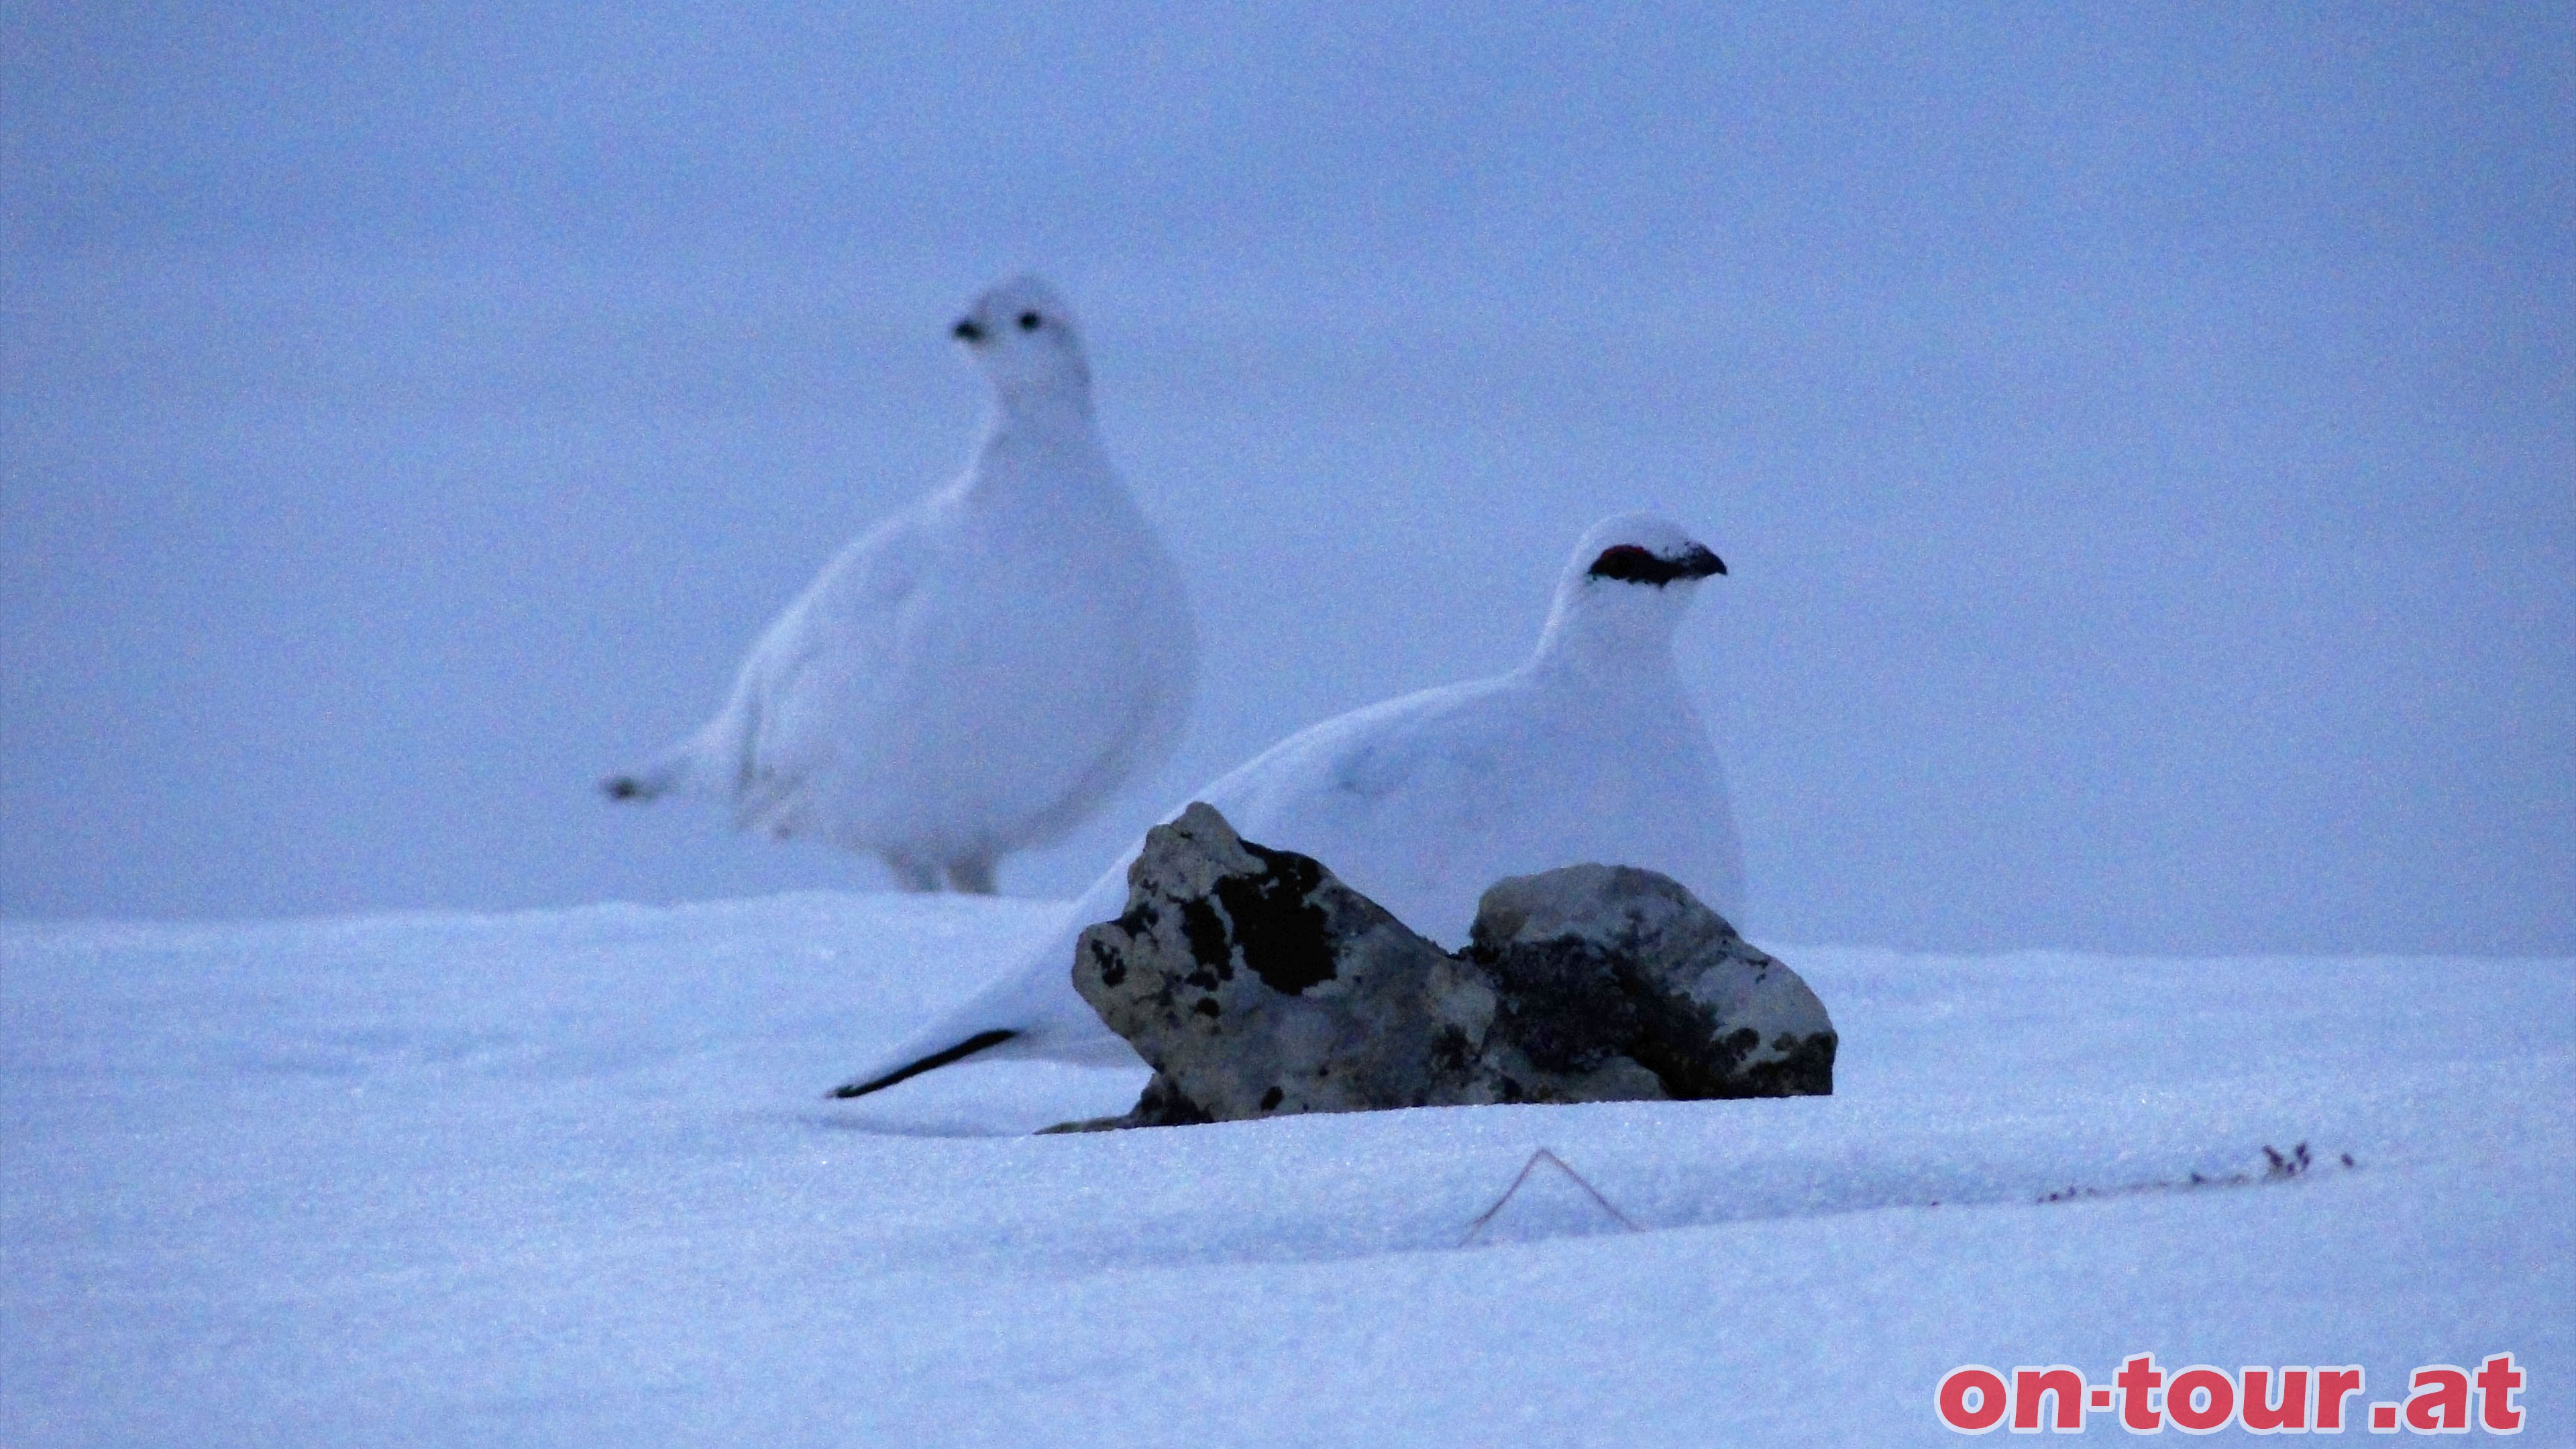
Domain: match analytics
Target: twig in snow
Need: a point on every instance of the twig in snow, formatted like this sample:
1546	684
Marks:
1543	1155
2278	1166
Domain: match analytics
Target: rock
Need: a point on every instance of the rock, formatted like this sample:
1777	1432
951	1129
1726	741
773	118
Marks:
1596	964
1257	984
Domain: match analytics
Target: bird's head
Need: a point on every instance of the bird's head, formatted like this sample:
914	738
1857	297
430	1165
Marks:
1023	339
1627	585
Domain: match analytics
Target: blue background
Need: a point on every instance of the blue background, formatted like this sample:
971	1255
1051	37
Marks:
2143	437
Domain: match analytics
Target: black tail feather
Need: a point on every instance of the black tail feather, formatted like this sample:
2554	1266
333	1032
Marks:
931	1063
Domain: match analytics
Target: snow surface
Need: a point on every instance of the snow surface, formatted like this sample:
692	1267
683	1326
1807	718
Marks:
567	1179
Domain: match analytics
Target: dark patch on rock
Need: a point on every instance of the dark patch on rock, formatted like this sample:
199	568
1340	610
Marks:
1204	929
1589	983
1565	1002
1279	929
1805	1069
1113	972
1452	1051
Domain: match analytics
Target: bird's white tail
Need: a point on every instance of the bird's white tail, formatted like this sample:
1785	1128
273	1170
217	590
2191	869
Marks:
1028	1013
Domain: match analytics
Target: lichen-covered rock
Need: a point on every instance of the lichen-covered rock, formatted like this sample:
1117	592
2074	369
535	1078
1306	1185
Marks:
1254	982
1257	984
1596	963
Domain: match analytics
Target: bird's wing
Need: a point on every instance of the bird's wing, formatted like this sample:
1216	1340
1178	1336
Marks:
830	648
1380	795
1397	799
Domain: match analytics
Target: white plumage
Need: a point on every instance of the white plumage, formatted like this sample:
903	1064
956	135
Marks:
1590	751
980	672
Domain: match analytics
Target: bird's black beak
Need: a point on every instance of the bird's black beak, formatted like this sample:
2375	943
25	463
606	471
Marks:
966	330
1699	563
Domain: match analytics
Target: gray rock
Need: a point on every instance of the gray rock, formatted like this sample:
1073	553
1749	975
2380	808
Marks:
1599	963
1256	984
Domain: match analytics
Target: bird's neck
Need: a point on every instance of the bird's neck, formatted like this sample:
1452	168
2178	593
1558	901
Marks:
1037	439
1056	407
1604	650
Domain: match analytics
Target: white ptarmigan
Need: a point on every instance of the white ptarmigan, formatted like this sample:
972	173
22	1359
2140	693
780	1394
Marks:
980	672
1590	751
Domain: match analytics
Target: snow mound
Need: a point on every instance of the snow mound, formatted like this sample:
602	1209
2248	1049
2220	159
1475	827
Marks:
569	1178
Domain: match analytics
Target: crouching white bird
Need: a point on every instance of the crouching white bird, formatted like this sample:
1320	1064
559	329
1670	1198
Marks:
1591	751
980	672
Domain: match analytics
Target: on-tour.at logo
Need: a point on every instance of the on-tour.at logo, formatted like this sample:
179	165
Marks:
2144	1399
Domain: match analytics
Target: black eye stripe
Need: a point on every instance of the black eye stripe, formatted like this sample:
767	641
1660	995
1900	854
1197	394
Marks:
1029	321
1630	564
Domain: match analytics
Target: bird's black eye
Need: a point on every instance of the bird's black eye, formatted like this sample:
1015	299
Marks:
1029	321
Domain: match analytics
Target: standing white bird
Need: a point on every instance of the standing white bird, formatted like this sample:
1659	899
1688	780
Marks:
1590	751
979	672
